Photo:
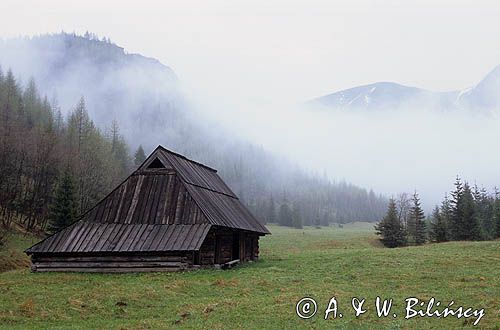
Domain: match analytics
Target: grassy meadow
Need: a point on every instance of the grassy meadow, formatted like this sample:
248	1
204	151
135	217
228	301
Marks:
320	263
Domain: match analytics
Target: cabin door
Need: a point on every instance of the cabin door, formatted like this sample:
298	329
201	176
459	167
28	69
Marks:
236	246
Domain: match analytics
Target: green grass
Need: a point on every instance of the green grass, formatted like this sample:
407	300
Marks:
319	263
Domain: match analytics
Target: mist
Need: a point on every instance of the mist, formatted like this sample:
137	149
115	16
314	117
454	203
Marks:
409	148
392	151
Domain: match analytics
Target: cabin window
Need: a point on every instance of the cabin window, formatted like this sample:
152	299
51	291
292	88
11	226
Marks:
156	163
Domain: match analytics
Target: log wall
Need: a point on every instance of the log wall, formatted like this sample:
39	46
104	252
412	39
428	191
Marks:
174	261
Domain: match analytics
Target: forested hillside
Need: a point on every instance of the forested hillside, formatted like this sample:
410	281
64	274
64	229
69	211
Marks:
141	96
38	144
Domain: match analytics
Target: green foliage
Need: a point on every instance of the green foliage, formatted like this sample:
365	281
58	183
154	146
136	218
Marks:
270	216
63	210
296	217
496	215
416	227
471	229
37	144
390	228
285	215
438	232
139	156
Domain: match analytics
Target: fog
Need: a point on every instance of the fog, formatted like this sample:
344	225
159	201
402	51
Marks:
244	70
391	151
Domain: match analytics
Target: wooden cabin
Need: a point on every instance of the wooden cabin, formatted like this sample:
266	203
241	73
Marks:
172	213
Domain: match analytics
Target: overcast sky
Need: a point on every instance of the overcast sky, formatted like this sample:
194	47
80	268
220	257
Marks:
246	63
286	51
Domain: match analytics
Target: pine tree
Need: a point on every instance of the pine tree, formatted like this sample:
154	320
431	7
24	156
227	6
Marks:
285	215
139	156
296	217
390	228
64	208
484	213
271	211
456	208
496	213
470	227
317	220
416	222
445	214
438	226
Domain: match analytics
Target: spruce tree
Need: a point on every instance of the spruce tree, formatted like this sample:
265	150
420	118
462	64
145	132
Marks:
470	227
438	226
296	217
456	208
285	215
390	228
139	156
271	211
445	214
496	213
63	209
416	222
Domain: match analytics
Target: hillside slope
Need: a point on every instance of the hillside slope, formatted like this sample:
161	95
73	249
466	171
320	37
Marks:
143	96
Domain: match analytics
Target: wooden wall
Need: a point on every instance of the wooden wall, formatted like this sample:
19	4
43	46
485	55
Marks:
172	261
218	246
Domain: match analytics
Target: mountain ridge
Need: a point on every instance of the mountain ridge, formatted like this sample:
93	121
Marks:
385	95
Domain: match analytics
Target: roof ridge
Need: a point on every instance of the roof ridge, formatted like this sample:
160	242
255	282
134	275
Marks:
184	157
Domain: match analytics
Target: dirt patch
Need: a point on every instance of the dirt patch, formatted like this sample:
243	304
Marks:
14	260
225	283
330	244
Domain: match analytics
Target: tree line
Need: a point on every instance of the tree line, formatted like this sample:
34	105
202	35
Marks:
470	213
43	153
152	111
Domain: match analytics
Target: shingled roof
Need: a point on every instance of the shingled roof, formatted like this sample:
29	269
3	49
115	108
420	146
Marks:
168	204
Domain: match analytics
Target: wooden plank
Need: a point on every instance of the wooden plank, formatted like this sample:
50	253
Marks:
151	236
162	200
173	201
150	200
127	198
129	244
114	242
144	237
114	205
130	230
180	204
91	241
81	231
135	199
166	237
143	199
153	242
156	200
91	226
107	209
175	256
90	264
113	270
123	193
117	228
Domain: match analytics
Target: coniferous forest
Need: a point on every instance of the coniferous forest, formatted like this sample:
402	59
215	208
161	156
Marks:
470	213
57	164
52	167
